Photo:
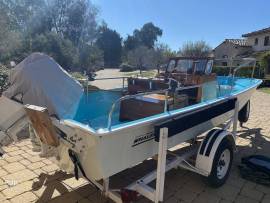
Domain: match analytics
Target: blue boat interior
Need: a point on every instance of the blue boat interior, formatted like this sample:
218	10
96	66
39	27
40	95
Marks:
94	107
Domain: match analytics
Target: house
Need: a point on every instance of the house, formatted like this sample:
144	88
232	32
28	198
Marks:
251	45
259	40
231	49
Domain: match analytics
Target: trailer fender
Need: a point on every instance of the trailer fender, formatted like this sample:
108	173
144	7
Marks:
209	146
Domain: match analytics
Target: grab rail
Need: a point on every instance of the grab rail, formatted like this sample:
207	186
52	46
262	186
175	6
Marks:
142	94
134	96
114	78
109	78
245	65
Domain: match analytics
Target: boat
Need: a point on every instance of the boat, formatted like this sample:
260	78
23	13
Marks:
109	131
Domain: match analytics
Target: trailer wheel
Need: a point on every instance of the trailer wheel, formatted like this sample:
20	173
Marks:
221	164
243	114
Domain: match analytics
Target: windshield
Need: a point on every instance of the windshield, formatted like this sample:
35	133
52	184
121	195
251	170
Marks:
184	66
208	68
171	65
200	66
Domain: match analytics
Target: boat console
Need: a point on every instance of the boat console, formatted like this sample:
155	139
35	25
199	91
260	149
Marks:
183	79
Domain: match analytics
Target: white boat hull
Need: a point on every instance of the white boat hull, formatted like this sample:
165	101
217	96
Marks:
104	154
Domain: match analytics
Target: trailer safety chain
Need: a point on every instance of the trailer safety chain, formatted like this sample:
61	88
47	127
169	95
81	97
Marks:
78	166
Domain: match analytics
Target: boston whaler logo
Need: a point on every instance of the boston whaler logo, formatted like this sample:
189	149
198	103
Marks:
143	138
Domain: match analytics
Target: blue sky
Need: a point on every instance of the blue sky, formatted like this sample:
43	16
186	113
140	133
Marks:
190	20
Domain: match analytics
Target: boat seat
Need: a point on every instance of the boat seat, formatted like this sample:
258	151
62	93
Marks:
143	106
149	105
136	85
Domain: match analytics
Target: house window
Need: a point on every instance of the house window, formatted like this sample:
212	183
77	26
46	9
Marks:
224	64
266	41
256	41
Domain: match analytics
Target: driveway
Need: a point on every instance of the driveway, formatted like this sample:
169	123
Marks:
110	83
26	177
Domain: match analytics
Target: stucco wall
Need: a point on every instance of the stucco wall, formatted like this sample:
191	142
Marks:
260	46
225	49
229	49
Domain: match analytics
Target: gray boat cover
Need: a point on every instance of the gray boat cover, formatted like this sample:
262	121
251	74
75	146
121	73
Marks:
39	80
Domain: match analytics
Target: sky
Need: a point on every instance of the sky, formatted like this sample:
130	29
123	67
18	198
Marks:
189	20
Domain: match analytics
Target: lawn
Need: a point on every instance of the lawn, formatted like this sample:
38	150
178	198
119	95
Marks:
265	90
78	75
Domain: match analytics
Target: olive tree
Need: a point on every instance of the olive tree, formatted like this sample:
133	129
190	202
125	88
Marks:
196	49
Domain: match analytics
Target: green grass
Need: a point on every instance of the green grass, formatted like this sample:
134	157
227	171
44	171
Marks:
77	75
265	90
148	74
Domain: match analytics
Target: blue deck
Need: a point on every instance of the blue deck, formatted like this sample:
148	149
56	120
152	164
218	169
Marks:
93	111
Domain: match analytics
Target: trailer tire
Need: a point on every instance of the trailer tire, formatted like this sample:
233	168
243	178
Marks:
243	114
221	164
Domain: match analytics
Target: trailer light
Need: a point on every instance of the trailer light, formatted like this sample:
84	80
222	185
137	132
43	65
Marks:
129	196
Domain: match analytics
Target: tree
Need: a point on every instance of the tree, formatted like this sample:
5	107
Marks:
23	13
60	28
69	32
140	57
131	43
62	50
91	58
10	40
195	49
110	42
146	36
264	64
143	57
75	20
161	55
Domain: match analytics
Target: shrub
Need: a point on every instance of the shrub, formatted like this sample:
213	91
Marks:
126	68
78	75
264	60
244	72
221	71
3	78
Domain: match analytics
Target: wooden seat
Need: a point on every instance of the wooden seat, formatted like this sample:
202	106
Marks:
143	106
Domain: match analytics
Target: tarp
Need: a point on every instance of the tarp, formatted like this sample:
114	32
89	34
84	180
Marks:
39	80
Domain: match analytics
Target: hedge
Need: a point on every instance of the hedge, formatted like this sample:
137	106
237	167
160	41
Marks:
244	72
4	72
